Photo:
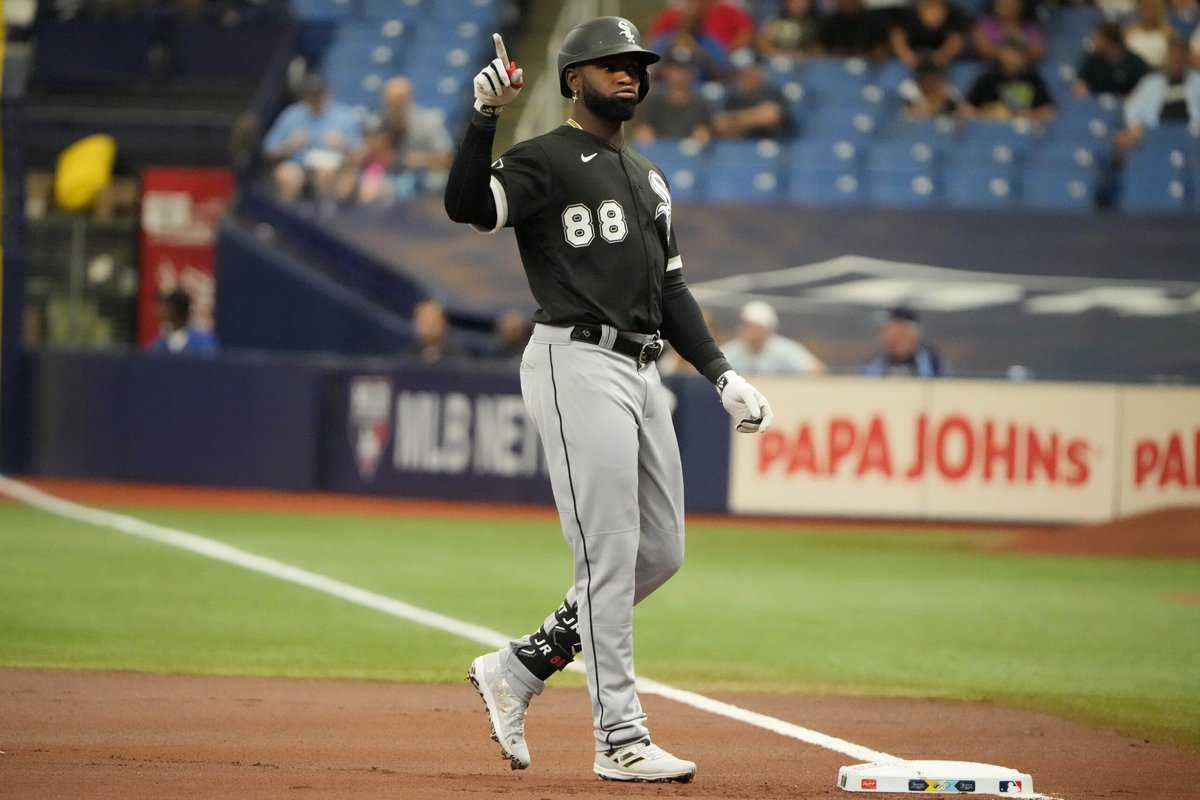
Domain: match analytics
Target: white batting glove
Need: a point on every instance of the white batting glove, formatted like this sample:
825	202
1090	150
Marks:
744	403
497	84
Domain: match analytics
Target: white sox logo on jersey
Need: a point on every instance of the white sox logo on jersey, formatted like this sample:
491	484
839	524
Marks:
627	31
664	208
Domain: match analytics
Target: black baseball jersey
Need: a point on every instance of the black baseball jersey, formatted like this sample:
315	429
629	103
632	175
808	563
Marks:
593	225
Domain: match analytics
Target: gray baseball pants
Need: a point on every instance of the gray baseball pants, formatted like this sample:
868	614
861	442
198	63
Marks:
614	466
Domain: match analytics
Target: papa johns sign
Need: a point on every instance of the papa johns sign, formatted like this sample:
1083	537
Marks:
952	447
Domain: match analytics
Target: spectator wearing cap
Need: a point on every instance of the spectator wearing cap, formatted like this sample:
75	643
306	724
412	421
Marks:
928	95
793	32
759	350
720	20
901	350
1170	95
1110	67
1006	20
754	109
313	143
673	110
177	335
934	29
1010	89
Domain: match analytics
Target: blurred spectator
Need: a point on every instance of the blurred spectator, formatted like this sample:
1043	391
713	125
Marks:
432	342
1149	33
176	332
759	350
313	142
793	32
901	350
754	109
725	22
423	145
1170	95
688	44
1184	15
851	31
377	177
928	94
512	334
406	148
1004	21
673	110
1195	47
1111	67
1010	89
933	28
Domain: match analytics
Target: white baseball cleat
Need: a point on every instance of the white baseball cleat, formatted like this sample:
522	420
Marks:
643	761
505	708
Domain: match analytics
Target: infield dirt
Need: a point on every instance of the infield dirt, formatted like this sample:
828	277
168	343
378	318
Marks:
85	735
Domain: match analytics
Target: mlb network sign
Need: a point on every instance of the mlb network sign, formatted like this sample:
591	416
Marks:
429	433
966	449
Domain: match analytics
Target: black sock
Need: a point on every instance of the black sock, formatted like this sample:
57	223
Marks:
549	651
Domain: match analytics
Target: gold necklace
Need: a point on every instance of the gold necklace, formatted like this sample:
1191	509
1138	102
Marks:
574	124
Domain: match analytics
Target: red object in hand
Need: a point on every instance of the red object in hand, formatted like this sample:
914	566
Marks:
512	67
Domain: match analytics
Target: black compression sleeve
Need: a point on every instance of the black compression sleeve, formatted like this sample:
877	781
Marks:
468	191
685	328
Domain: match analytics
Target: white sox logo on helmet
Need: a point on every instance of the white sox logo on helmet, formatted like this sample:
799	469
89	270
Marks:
627	31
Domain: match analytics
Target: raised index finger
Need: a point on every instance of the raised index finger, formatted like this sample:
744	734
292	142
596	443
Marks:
501	53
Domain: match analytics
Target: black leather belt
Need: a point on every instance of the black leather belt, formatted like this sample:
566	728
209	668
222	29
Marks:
642	353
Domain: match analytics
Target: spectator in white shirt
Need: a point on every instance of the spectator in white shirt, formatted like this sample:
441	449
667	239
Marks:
759	350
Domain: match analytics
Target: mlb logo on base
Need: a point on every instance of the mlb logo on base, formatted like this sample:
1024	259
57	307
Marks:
868	783
1013	787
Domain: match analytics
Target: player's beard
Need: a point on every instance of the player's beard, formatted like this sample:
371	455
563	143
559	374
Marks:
613	109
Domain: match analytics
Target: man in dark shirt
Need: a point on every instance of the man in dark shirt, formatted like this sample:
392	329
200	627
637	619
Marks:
851	30
1011	89
902	351
674	111
934	29
1111	67
754	109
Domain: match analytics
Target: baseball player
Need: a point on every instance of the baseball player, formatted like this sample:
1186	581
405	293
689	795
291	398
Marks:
592	218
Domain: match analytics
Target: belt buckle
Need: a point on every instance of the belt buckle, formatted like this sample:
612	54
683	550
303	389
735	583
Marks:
650	352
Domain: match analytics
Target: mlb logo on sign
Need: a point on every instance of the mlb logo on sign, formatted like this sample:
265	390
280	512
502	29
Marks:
868	783
370	422
1010	787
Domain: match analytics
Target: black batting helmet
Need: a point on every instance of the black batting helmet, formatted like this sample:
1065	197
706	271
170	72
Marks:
598	38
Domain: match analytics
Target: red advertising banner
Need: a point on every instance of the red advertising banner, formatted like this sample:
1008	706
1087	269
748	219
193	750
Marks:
181	207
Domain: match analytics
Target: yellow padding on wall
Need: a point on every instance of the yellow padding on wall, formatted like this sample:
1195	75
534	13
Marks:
83	170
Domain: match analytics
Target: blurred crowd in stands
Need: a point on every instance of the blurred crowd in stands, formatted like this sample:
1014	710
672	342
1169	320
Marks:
1145	50
325	147
756	347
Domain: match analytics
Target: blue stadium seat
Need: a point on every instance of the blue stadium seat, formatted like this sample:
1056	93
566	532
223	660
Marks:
1017	136
835	80
1081	159
857	123
976	186
825	173
1156	191
682	163
825	187
904	188
903	156
406	10
1058	190
1079	120
744	171
891	74
939	132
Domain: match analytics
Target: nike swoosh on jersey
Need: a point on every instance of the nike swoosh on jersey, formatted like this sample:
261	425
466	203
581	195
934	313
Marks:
586	159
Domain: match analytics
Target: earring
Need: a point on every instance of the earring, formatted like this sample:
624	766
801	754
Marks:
575	98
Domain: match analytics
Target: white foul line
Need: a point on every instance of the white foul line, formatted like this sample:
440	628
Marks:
485	636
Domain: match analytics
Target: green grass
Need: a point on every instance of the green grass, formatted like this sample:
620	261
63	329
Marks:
754	608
